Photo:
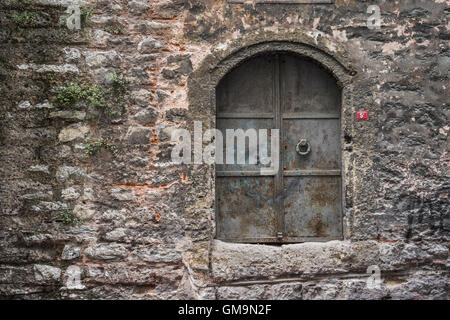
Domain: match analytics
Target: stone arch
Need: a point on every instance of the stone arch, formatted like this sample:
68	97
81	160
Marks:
340	72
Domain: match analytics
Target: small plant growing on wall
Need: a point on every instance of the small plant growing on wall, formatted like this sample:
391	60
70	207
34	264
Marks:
95	147
74	92
111	99
70	94
86	12
26	20
118	83
68	218
96	96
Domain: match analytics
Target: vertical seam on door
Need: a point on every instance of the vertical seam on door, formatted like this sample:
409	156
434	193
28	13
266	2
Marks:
278	125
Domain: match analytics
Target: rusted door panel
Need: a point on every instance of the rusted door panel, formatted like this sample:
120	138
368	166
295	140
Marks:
248	88
312	207
307	88
245	208
323	136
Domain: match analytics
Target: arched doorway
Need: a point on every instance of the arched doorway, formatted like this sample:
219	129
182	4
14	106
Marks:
302	200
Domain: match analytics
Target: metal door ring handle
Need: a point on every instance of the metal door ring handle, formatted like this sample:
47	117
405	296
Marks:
303	147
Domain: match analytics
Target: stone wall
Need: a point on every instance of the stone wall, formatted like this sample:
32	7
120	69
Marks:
88	190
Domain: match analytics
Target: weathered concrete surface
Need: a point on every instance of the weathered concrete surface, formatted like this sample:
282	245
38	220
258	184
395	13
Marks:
146	226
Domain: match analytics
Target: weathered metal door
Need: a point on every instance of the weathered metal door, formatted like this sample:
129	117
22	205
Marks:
302	200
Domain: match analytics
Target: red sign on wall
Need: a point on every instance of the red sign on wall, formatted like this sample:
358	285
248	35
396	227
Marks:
362	115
